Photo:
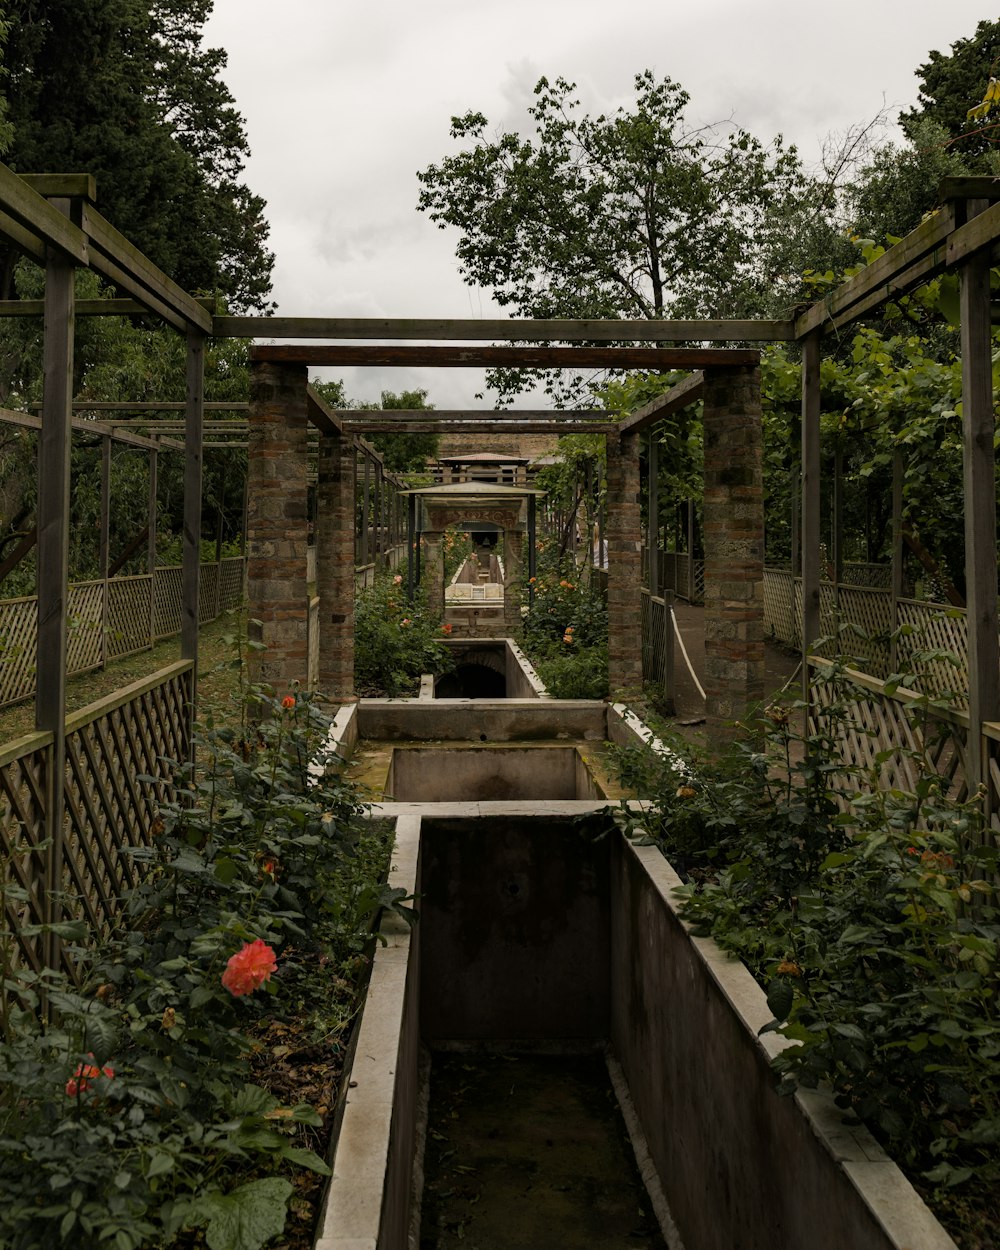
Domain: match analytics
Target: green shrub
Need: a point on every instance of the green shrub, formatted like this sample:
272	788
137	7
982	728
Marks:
395	642
565	632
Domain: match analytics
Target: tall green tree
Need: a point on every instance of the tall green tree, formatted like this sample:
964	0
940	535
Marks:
636	214
403	453
125	91
952	84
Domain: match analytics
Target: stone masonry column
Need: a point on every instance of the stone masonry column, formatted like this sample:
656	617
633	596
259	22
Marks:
337	466
734	544
277	522
512	539
624	564
432	572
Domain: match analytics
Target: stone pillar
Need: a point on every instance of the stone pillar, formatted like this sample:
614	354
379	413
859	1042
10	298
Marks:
623	536
734	544
432	572
335	565
277	522
512	580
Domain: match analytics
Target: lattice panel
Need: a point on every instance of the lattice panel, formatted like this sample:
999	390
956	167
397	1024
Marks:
873	723
936	629
875	576
208	593
22	865
107	808
84	631
167	584
18	636
128	615
869	612
780	597
231	585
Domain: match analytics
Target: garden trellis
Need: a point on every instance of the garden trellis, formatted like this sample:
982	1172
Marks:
53	220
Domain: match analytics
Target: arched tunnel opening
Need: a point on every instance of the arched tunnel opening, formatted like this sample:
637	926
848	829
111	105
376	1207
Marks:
471	681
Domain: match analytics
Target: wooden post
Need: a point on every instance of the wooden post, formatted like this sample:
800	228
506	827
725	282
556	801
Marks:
690	543
365	531
896	570
669	678
54	447
151	543
104	554
532	553
980	506
335	532
653	513
810	500
795	563
837	536
194	427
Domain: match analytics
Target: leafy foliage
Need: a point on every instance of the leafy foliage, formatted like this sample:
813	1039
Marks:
257	846
403	453
395	642
874	931
125	91
565	631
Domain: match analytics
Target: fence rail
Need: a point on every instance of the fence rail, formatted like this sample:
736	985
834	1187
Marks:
111	619
106	808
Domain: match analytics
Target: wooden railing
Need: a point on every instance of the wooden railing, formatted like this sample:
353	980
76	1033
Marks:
111	619
106	808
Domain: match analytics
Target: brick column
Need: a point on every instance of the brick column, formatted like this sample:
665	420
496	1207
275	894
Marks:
624	565
335	565
432	572
734	544
277	522
512	539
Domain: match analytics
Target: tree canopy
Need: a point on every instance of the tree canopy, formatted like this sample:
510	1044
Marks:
125	91
402	453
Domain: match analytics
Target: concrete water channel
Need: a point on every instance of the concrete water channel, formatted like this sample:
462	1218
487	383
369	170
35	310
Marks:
547	1056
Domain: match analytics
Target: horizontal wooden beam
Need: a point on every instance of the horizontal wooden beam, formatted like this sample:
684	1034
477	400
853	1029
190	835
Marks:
164	405
31	421
413	426
926	243
687	392
63	186
46	223
969	188
389	418
489	357
511	329
113	256
24	240
978	233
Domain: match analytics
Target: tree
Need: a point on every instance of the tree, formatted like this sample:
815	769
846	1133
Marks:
630	215
403	453
951	85
124	90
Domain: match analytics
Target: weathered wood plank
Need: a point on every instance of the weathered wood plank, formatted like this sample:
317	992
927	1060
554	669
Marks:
114	256
678	397
979	233
25	241
429	426
319	412
510	357
978	426
29	421
19	552
928	236
969	188
84	308
390	416
512	329
63	185
43	220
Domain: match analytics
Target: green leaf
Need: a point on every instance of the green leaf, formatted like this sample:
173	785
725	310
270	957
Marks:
305	1159
248	1217
225	870
100	1036
780	997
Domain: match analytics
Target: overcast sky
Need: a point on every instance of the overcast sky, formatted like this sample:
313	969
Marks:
345	102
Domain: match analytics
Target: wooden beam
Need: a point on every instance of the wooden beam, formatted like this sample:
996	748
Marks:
114	256
653	358
687	392
20	551
969	188
389	417
25	241
513	330
131	547
57	186
930	236
31	421
319	412
979	233
42	220
427	425
978	430
810	511
166	405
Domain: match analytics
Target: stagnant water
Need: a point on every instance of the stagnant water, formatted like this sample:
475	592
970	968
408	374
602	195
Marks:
529	1153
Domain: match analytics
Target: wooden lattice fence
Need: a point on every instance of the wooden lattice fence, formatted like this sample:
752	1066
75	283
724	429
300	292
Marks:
655	623
134	733
108	620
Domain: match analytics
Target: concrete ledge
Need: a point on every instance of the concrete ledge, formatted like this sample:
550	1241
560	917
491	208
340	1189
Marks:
368	1199
777	1172
483	720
